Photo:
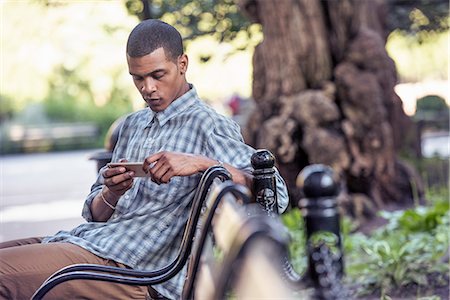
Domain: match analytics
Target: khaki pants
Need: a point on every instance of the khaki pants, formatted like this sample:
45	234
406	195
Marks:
26	264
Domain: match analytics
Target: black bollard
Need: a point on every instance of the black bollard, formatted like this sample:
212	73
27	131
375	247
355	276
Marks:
320	212
264	183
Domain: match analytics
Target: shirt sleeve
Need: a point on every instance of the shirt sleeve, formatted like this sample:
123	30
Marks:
226	144
282	193
95	189
99	183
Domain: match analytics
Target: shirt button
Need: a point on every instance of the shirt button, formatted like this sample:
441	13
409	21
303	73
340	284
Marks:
127	197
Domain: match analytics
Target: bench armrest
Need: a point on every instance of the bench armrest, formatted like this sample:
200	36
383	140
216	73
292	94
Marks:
92	272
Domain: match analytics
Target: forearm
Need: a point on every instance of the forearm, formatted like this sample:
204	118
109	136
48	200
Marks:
238	176
246	179
101	211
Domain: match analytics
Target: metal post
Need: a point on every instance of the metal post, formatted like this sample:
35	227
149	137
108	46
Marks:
264	183
320	212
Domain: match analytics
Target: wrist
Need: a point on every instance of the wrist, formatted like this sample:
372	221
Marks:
110	193
213	162
109	196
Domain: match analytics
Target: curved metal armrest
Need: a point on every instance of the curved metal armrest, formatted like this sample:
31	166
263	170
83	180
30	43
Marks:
80	271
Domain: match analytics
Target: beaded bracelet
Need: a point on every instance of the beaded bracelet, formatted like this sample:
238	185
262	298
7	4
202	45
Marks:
106	202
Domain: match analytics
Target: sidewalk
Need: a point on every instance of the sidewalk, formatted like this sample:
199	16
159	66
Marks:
43	193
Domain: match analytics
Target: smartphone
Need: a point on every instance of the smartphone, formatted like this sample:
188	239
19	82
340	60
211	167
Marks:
136	167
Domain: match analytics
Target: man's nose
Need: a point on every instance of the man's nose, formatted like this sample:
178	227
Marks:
149	85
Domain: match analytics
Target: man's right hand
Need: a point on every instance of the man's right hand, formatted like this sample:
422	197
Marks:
118	179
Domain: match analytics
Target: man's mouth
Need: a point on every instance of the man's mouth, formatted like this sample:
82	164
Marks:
152	99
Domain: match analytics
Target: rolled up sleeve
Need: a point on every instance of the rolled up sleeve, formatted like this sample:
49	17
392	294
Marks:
95	189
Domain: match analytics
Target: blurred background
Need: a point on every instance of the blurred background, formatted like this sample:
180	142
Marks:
65	81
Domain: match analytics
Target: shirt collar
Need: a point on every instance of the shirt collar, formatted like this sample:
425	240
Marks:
178	105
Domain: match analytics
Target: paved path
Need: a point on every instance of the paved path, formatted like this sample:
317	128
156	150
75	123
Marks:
43	193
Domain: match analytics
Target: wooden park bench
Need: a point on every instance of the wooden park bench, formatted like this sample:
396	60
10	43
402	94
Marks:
250	238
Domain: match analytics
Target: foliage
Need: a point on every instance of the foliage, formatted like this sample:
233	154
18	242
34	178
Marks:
71	99
413	22
6	108
298	255
219	18
433	112
434	172
417	16
438	194
405	251
431	103
433	108
222	18
100	43
416	61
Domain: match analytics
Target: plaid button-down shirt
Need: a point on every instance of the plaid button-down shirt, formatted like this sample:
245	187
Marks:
146	228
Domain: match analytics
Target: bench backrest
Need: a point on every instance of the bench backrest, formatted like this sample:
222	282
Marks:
254	244
251	243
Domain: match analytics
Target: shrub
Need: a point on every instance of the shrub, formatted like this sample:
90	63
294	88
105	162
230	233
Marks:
404	252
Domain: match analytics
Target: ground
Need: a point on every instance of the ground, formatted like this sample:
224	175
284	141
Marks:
439	288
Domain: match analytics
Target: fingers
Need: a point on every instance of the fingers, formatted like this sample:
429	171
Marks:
159	167
161	173
122	187
118	179
120	183
110	172
166	177
164	165
149	161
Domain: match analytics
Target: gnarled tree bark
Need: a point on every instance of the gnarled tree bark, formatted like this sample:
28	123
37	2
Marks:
323	84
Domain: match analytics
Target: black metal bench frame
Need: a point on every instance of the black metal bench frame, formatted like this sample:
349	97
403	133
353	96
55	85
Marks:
142	278
191	248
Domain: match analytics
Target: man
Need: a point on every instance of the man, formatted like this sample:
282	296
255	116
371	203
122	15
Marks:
137	222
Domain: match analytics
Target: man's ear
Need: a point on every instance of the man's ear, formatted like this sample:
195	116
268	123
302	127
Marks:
183	63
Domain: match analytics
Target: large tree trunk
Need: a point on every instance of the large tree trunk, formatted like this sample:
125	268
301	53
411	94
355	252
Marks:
324	89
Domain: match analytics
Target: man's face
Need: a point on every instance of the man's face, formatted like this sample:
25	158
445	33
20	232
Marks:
159	80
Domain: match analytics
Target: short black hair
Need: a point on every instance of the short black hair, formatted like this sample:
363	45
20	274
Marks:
152	34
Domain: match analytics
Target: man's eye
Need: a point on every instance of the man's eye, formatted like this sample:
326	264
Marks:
137	78
158	76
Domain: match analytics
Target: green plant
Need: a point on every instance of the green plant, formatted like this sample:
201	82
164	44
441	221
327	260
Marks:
6	108
431	103
297	250
70	99
434	172
438	194
405	251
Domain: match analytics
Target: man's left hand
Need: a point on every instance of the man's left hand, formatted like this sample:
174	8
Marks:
162	166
